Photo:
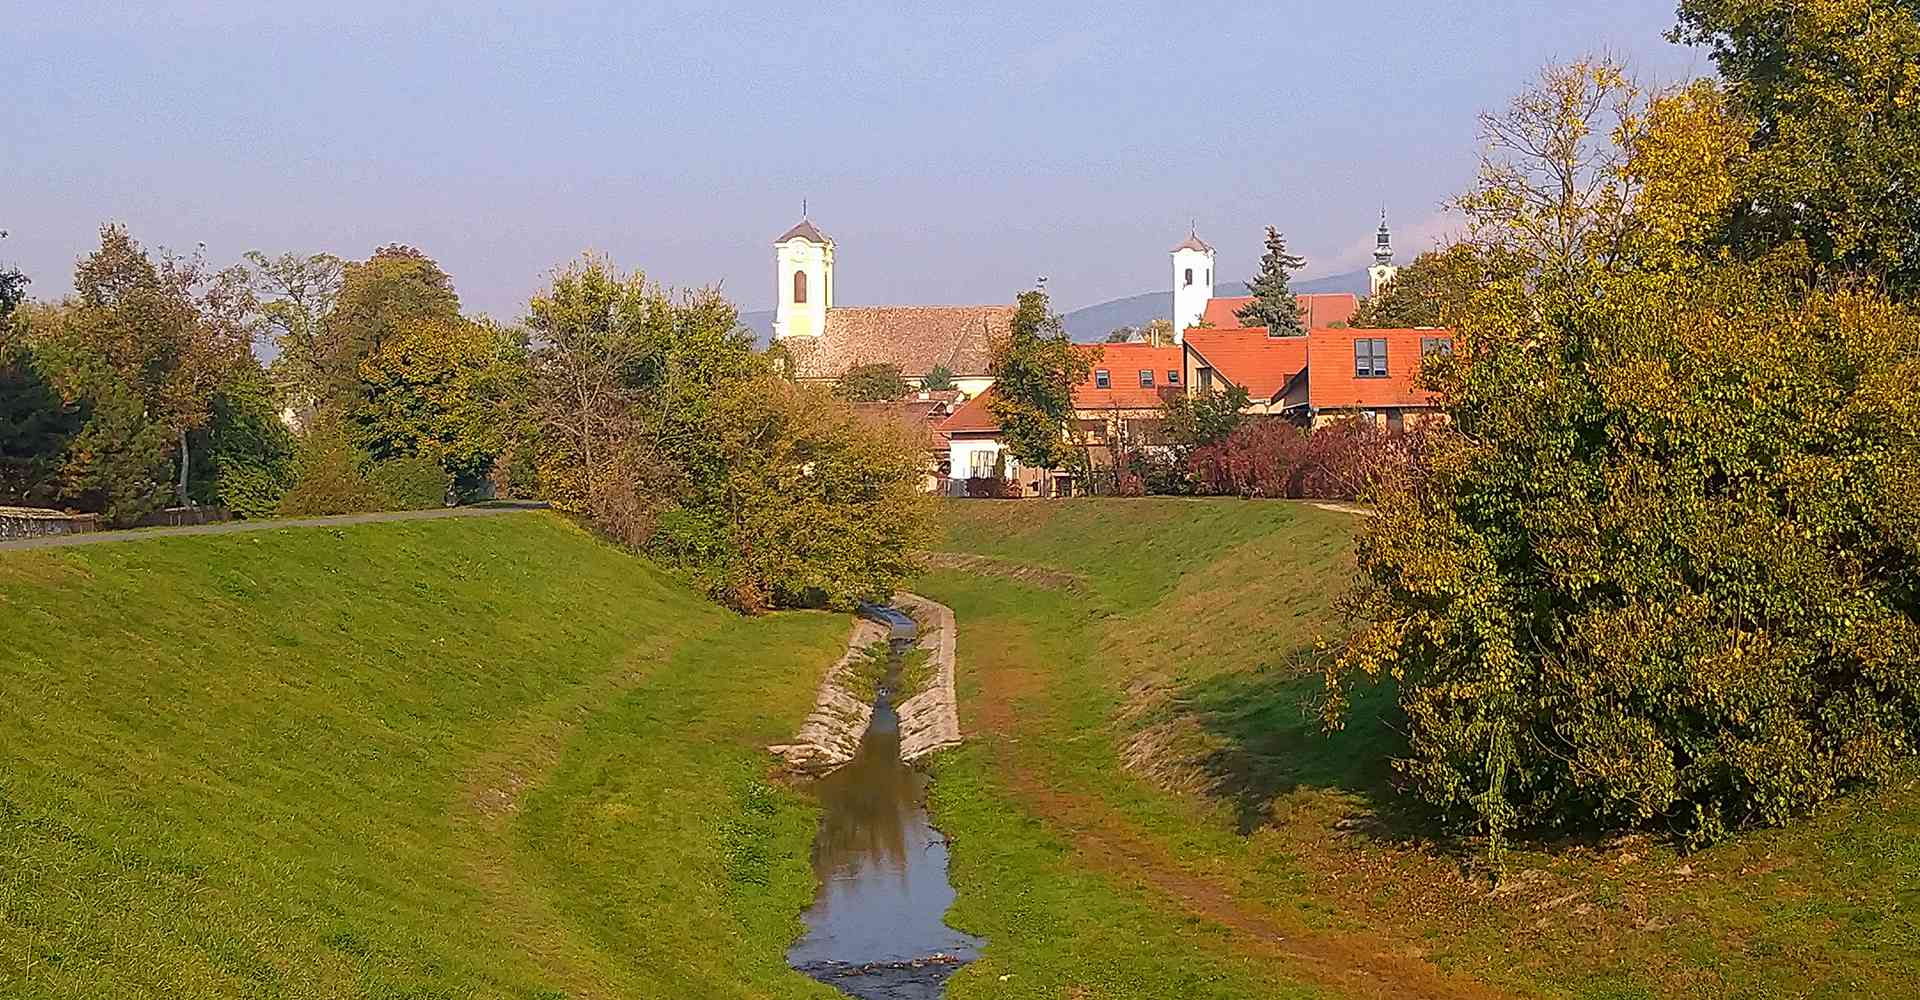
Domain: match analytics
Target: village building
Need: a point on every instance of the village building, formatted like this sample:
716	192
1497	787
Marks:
1333	372
821	341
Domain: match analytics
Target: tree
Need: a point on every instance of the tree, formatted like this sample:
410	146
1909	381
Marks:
1431	291
1274	305
148	346
444	391
1828	89
1035	369
592	354
939	379
763	493
392	291
1554	186
1204	418
35	423
1122	335
297	300
875	383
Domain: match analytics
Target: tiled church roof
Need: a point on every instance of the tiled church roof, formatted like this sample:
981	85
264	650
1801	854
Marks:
917	338
1317	309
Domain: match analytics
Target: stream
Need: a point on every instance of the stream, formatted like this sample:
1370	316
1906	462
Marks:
877	929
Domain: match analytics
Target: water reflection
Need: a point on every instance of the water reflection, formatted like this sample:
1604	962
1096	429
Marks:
883	873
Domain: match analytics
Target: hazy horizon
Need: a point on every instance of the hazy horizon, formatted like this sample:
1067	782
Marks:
952	156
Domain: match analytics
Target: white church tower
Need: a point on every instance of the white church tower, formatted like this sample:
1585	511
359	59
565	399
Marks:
1382	270
1192	283
803	279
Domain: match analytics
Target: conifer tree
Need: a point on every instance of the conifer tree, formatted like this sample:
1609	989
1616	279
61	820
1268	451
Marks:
1274	305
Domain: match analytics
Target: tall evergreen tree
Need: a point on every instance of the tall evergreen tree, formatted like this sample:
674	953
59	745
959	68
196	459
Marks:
1274	305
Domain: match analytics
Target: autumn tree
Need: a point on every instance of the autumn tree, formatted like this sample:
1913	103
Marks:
1829	89
147	344
1431	291
395	289
1274	305
297	296
35	422
1584	603
445	391
1035	368
875	383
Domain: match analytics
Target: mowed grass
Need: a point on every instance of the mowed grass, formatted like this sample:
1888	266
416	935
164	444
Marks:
1155	733
487	757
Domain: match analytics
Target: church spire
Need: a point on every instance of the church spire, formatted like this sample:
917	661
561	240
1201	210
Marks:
1383	243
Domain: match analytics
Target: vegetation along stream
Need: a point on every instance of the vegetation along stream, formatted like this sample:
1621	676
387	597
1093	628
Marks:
877	929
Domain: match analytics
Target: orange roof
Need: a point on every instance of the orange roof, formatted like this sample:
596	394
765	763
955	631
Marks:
972	418
1250	359
1124	363
1316	310
1333	385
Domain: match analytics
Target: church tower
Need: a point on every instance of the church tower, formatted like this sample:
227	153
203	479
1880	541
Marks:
1382	270
803	280
1192	283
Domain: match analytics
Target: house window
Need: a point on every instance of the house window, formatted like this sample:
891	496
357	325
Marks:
799	287
980	465
1146	378
1370	357
1430	346
1173	376
1103	379
1206	379
1189	276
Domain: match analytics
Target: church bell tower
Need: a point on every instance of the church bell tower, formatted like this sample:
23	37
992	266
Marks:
1192	283
803	280
1382	270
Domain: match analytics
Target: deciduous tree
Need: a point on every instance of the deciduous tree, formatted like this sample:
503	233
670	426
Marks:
875	383
1035	369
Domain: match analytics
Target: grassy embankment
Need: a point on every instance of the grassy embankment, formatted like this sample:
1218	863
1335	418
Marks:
487	757
1141	735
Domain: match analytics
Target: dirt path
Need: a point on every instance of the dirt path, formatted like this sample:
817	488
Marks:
1355	963
237	527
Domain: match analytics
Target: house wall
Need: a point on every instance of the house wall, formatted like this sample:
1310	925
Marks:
961	449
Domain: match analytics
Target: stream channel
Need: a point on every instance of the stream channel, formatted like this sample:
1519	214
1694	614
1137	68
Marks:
877	929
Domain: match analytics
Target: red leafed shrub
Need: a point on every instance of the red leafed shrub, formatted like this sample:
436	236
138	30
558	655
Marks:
992	488
1267	457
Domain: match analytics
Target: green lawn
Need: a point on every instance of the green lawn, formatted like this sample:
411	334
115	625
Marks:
487	757
1147	733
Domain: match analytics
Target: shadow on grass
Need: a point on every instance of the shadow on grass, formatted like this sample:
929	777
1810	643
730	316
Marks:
1269	742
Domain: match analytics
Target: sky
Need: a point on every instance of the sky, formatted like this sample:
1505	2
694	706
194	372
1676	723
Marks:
953	155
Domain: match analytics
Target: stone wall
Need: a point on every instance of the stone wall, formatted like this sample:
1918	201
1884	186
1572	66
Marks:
833	730
36	522
930	720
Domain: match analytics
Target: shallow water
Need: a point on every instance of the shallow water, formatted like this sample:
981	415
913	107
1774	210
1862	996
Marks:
877	928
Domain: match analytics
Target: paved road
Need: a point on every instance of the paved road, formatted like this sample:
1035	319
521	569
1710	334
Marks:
233	527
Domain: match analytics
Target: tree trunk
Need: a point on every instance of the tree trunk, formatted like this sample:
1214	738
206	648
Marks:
183	468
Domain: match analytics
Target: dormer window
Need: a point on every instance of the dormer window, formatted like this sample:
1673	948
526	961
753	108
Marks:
1370	357
1103	379
1146	378
799	287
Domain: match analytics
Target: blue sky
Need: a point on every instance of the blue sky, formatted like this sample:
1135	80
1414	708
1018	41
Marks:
952	155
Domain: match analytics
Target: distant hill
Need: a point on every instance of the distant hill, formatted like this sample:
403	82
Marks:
761	323
1093	323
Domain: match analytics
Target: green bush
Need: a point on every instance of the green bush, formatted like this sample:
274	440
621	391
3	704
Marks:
1665	568
328	476
416	483
252	490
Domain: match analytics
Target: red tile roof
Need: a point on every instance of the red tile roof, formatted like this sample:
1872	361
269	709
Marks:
1332	384
917	338
973	417
1316	310
1124	363
1250	359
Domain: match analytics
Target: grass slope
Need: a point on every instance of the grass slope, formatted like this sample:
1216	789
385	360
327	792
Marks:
487	757
1142	736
